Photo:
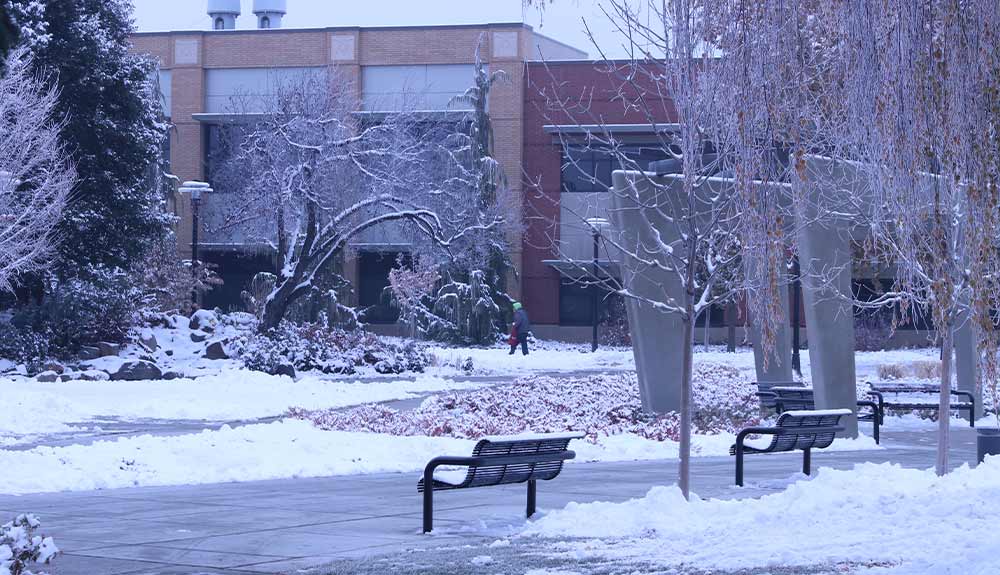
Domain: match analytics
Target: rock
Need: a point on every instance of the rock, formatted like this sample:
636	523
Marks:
137	369
204	320
149	358
216	350
52	366
94	375
108	349
198	337
89	352
168	375
68	377
180	322
284	369
47	377
148	341
169	352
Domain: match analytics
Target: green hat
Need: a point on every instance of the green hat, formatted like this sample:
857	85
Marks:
517	305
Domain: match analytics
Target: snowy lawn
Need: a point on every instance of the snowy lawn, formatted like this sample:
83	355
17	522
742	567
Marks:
284	449
31	407
895	521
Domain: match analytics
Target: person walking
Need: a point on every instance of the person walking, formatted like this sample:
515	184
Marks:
519	329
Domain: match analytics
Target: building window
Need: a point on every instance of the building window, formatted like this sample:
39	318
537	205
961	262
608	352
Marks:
220	24
373	279
265	22
587	170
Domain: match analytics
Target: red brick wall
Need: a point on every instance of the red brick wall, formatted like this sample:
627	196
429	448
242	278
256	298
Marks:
599	88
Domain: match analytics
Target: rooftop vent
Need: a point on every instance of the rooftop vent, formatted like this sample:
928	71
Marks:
224	13
270	12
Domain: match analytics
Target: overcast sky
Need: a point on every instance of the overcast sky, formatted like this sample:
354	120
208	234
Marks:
562	20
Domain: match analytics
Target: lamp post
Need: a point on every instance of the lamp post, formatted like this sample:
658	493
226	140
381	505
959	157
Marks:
596	226
796	294
195	189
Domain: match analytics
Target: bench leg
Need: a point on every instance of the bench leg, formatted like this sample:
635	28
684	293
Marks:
972	416
807	461
428	510
875	421
739	463
531	498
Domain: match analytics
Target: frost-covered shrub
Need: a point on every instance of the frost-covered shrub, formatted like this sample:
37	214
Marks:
168	282
316	347
890	371
21	548
21	344
596	405
102	304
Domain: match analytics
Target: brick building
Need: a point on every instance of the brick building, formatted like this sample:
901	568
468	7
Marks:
201	72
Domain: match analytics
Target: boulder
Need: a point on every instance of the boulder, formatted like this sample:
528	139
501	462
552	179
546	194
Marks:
216	350
284	369
94	375
204	320
168	375
137	369
52	366
108	349
148	341
89	352
47	377
198	337
169	352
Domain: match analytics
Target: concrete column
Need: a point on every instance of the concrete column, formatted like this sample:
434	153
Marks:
657	337
967	360
825	258
778	366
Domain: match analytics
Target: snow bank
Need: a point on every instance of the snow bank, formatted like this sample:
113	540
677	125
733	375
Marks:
284	449
28	406
911	521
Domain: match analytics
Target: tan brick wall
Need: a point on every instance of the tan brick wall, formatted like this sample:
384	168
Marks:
266	49
377	46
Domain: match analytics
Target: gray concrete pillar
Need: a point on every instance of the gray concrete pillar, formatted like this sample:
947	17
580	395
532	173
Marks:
825	259
657	336
778	366
967	360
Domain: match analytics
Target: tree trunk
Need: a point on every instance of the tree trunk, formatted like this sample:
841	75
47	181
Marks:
731	327
708	327
684	468
944	408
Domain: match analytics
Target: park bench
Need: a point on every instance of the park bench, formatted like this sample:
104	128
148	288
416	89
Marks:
498	461
879	389
802	398
805	430
766	397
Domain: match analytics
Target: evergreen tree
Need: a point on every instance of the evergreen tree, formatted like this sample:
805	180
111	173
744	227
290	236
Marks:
111	124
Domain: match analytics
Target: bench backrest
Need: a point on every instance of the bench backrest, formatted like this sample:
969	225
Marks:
791	420
520	472
903	387
764	387
789	398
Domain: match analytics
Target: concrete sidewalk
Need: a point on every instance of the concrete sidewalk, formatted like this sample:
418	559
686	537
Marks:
286	525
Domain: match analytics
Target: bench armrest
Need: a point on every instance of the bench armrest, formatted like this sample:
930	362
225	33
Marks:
972	398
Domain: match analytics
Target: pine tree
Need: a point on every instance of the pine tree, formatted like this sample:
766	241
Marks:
111	124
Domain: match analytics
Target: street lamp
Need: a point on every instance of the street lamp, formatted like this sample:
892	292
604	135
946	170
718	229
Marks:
195	189
596	226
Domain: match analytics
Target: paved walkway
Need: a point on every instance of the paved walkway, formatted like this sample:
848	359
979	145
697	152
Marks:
287	525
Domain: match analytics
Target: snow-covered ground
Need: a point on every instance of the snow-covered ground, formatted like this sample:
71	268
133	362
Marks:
880	518
31	407
283	449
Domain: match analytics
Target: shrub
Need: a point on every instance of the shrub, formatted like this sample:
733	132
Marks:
20	547
926	369
101	304
169	282
316	347
24	345
596	405
890	371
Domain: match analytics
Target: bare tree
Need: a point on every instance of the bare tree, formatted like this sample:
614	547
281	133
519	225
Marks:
36	176
311	175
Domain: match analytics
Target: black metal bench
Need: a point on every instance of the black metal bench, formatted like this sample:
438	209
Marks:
799	398
805	430
765	395
879	389
500	461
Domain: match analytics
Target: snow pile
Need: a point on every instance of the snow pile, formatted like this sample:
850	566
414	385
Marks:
605	405
30	407
20	547
907	521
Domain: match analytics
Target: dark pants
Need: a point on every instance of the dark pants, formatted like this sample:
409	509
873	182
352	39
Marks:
524	345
